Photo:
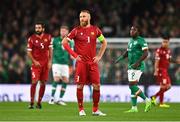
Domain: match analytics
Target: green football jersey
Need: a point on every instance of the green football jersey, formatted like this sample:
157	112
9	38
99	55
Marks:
135	51
60	55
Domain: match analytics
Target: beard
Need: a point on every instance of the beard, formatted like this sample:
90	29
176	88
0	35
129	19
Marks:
38	32
84	23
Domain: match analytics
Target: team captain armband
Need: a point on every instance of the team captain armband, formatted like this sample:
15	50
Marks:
101	38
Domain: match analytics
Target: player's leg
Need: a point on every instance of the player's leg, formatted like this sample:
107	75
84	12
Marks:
41	93
43	78
56	78
94	78
35	77
153	98
80	78
63	90
64	72
133	77
165	85
54	86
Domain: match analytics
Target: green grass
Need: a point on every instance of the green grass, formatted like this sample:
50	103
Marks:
18	111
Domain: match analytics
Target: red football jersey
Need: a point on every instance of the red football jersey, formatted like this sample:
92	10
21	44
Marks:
163	55
85	41
39	45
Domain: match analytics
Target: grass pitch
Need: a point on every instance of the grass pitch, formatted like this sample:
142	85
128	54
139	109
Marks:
18	111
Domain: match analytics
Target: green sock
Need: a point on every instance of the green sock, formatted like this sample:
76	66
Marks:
63	89
134	100
142	95
134	89
54	85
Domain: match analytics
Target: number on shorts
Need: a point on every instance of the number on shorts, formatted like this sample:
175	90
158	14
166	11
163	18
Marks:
133	74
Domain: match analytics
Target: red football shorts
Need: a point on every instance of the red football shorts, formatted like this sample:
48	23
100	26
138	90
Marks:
39	73
87	73
163	77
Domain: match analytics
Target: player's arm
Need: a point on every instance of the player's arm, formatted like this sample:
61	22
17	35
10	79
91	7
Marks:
50	57
102	49
50	52
142	58
29	53
156	67
36	63
123	56
174	61
65	43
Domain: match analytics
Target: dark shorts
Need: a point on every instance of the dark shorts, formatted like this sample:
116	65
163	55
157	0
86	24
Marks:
87	73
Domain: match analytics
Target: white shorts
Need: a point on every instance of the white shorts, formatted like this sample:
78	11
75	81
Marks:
134	75
60	70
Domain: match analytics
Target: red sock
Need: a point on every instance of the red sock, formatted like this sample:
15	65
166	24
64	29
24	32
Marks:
33	91
80	99
96	97
41	92
159	92
161	98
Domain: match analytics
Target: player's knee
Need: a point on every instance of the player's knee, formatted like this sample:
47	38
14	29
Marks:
65	79
96	86
63	89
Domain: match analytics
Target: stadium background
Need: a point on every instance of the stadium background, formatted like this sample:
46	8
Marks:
114	17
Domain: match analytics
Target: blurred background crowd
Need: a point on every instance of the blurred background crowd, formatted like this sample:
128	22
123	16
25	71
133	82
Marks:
114	17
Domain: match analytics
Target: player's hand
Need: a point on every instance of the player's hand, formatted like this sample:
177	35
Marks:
155	73
96	59
178	61
72	57
36	63
79	58
135	65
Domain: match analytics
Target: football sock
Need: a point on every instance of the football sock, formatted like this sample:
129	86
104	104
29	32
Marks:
54	85
134	89
80	98
33	91
162	90
96	97
41	92
133	100
142	95
63	89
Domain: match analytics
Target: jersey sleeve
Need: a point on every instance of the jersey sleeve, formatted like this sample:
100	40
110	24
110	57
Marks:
72	34
99	35
98	31
157	54
29	44
143	44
